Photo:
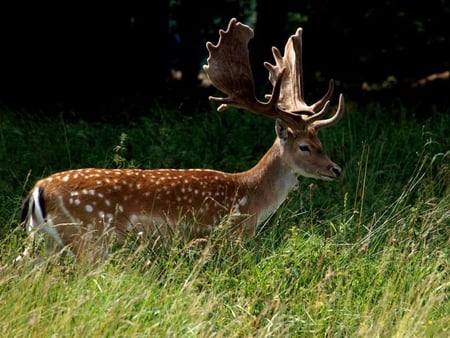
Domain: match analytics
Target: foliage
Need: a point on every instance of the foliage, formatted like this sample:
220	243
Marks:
366	255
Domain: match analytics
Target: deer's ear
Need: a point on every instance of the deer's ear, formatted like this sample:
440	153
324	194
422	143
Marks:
282	130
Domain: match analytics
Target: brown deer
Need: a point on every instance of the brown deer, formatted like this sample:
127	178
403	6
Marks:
75	208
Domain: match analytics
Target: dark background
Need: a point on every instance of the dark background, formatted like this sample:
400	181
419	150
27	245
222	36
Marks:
101	62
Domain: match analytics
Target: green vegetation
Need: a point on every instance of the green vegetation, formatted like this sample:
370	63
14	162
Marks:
363	256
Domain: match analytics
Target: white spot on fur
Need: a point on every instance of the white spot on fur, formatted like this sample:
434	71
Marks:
236	210
243	201
89	208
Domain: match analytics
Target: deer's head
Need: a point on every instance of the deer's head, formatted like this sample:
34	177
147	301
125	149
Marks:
297	123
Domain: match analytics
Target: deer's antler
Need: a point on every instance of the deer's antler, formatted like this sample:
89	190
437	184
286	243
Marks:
229	70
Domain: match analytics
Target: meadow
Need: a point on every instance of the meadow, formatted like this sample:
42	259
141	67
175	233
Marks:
366	255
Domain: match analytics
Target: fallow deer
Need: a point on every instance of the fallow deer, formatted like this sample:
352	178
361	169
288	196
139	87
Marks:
74	208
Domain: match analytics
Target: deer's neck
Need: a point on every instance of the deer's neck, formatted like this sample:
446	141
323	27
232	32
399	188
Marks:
268	183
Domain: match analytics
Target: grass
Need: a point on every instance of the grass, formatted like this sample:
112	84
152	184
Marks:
364	256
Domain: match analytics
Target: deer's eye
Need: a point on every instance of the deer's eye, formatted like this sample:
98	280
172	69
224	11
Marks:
304	148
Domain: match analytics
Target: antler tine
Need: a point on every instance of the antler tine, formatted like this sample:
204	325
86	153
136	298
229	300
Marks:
228	68
325	98
324	101
319	124
308	120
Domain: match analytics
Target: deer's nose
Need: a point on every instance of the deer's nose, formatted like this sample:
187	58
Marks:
336	171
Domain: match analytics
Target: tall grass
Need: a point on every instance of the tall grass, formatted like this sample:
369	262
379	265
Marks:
364	256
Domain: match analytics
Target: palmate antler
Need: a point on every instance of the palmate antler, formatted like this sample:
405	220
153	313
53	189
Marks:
229	70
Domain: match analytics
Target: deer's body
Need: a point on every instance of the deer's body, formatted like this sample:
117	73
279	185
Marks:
78	207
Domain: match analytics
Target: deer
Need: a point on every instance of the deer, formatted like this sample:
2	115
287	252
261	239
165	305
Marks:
75	208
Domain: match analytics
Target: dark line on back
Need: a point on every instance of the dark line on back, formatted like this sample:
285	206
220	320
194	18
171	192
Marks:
42	202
